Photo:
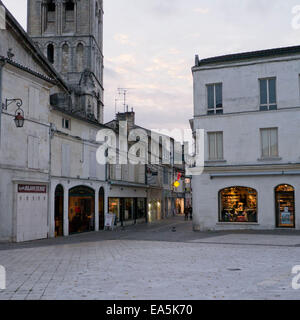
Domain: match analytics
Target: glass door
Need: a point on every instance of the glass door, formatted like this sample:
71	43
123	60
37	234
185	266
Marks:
285	206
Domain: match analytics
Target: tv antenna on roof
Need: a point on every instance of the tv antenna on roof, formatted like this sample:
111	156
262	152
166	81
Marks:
123	92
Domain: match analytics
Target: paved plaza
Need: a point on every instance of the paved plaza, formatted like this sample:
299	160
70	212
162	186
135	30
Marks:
154	262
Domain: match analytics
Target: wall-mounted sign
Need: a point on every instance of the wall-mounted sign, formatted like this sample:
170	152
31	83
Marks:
30	188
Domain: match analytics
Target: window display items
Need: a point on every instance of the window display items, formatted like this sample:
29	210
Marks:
238	204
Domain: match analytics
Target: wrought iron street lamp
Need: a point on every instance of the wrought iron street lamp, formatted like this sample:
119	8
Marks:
19	118
19	114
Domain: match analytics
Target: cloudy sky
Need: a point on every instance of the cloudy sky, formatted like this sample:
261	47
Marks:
149	47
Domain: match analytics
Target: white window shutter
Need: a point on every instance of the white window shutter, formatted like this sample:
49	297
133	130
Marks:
93	171
33	152
65	169
118	172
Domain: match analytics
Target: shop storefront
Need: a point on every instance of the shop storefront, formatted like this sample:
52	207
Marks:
128	209
154	210
179	205
81	210
238	204
264	202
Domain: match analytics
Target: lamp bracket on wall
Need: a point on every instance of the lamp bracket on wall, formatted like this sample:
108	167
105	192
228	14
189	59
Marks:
8	102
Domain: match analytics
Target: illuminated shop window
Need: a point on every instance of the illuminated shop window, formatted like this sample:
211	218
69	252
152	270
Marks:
238	204
285	206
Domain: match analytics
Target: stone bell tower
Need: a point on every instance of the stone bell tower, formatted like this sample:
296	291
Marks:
70	33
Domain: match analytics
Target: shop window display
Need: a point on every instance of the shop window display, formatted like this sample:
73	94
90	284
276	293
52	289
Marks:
285	206
128	214
114	207
141	208
238	204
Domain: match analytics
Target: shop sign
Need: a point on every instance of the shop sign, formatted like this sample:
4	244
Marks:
110	220
23	188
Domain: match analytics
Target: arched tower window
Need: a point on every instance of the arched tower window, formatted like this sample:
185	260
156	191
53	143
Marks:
49	16
70	5
69	16
50	52
65	58
51	6
69	9
79	57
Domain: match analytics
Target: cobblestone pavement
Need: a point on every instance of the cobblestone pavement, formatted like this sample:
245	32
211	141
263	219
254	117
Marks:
154	262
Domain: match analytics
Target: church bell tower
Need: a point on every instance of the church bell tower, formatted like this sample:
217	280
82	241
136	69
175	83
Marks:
70	33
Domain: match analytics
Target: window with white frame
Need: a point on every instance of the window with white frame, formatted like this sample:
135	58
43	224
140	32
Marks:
215	98
66	123
269	143
268	99
215	146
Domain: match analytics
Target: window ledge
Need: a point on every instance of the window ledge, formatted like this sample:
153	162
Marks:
270	159
216	161
238	223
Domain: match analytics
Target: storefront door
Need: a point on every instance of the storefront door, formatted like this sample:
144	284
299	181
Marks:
285	206
81	210
101	209
59	211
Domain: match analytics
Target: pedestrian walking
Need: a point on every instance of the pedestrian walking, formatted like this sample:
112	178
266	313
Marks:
186	214
191	212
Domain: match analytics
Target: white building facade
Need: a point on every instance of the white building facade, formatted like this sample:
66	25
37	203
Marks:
248	105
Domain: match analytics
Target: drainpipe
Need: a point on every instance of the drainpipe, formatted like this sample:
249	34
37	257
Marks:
2	63
51	131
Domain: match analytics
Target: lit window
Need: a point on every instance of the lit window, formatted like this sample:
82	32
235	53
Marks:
238	204
268	100
215	98
215	146
269	142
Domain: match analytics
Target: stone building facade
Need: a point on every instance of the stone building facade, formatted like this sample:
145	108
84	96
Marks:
51	183
70	33
25	169
248	105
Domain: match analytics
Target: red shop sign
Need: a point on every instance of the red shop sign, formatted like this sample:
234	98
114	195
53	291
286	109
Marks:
24	188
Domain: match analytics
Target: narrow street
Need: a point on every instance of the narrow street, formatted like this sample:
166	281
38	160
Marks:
165	260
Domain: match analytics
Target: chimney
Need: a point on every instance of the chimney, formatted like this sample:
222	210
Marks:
127	116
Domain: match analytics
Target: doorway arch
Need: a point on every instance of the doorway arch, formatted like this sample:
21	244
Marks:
101	208
81	209
59	211
285	206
